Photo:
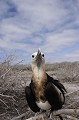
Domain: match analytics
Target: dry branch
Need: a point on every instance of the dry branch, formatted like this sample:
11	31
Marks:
66	112
7	96
3	103
18	117
67	94
10	69
69	117
72	104
5	73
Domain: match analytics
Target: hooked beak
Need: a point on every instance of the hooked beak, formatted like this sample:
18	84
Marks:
39	52
38	57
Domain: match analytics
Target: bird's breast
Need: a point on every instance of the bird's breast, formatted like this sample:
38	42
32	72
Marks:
41	101
40	93
43	105
39	89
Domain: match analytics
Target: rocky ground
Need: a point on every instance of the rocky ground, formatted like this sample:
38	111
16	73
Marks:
13	80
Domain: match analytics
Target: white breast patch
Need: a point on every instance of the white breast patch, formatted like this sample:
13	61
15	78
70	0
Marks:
43	105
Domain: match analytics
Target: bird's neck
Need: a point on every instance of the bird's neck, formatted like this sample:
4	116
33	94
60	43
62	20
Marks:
39	72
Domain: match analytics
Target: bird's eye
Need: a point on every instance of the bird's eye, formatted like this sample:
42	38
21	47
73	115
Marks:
32	56
42	55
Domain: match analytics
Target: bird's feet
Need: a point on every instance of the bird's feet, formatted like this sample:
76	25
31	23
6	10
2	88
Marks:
49	113
41	112
51	117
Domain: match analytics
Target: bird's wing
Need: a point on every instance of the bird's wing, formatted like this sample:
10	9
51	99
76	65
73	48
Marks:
53	96
57	84
31	99
56	90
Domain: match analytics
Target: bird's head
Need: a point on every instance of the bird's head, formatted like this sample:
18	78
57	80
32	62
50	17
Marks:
38	60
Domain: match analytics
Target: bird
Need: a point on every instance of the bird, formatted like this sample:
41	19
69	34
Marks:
44	92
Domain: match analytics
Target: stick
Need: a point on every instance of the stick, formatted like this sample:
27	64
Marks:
67	94
69	117
7	96
76	102
67	113
9	69
4	103
18	117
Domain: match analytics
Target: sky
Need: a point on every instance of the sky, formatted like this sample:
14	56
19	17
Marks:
51	25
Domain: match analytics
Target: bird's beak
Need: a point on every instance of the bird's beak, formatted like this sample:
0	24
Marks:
39	53
38	57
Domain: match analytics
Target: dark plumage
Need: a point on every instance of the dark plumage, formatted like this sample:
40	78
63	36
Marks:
51	94
44	92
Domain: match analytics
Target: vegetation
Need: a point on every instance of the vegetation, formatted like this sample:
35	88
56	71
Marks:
14	78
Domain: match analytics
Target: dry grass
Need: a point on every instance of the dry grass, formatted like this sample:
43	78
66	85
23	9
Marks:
13	80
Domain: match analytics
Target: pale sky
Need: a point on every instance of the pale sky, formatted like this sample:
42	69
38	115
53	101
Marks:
52	25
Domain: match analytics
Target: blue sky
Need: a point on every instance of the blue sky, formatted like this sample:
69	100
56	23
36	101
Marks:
52	25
